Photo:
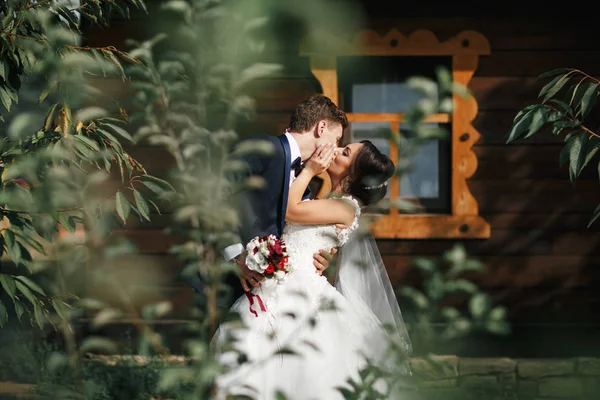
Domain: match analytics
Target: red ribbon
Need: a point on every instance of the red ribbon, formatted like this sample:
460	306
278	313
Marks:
250	297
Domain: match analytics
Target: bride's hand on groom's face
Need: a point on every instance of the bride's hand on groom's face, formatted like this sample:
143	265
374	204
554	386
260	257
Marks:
321	159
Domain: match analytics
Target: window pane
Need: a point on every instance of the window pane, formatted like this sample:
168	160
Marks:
428	178
370	84
383	98
376	132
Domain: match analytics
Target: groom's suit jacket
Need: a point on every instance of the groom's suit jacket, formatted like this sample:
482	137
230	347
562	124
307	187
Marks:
261	210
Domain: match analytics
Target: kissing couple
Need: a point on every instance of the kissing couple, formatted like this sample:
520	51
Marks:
300	335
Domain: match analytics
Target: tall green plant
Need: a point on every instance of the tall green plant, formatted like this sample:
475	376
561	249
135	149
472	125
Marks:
58	147
566	105
190	90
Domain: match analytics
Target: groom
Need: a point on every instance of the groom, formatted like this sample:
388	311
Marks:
314	121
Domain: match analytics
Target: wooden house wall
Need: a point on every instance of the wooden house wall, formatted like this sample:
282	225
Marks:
541	260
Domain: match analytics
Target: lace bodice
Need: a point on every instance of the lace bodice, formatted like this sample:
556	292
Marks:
303	241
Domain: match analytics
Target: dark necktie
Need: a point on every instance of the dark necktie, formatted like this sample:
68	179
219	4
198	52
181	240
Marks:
297	166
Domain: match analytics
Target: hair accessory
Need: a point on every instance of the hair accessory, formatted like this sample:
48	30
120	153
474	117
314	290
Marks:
384	184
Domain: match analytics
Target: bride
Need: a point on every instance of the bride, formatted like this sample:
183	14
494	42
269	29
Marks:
299	335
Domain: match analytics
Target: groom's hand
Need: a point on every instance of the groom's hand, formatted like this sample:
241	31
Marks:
248	278
322	260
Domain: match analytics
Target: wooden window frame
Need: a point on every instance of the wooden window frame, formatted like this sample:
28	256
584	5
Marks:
464	221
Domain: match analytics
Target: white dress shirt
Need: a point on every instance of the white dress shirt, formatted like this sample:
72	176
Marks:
234	250
294	153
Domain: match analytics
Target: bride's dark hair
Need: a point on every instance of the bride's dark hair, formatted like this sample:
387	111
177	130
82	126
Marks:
369	174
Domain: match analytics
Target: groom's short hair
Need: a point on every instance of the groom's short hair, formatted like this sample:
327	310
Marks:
314	109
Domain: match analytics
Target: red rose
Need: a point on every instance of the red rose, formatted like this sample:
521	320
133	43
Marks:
281	263
277	248
270	269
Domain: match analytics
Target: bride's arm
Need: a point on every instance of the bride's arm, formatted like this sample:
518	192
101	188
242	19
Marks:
316	212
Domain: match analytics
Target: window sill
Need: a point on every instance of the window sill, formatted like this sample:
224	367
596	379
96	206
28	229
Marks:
429	226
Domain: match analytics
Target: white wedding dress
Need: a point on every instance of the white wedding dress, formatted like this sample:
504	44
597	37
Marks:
301	314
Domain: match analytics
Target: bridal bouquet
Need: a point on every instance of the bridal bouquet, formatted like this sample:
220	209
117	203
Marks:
267	255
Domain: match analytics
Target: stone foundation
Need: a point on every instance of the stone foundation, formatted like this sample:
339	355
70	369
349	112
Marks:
455	378
451	377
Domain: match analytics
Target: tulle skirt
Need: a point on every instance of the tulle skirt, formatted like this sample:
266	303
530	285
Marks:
301	338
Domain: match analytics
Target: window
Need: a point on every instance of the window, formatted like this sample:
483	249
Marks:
373	85
365	78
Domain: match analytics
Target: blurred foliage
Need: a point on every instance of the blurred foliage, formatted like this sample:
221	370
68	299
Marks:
57	151
446	283
566	106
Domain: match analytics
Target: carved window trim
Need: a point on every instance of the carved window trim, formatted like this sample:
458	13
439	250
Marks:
464	221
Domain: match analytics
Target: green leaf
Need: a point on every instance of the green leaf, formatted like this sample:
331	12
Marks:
578	150
47	90
178	6
115	61
12	247
58	308
21	125
579	161
19	309
479	305
39	316
48	122
425	265
27	293
498	327
256	71
153	187
141	204
554	72
99	344
521	123
3	315
91	144
123	207
280	396
592	147
90	113
31	284
460	285
8	284
554	86
589	99
155	206
158	181
67	222
564	107
540	117
559	126
450	313
418	298
255	23
498	313
5	97
106	316
119	131
595	216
